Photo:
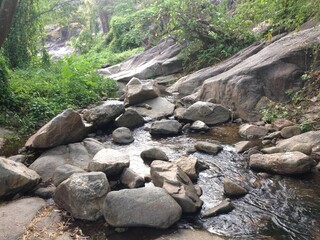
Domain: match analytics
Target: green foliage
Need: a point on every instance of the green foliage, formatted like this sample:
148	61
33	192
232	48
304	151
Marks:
38	94
23	40
281	14
306	126
3	80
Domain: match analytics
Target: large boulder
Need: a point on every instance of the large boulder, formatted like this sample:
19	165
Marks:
130	119
165	127
16	178
76	154
250	131
64	172
104	114
109	161
65	128
290	131
207	112
289	163
155	108
266	74
122	135
143	207
138	92
171	177
82	195
312	138
160	60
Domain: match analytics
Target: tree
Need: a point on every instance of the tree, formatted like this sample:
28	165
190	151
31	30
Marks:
7	12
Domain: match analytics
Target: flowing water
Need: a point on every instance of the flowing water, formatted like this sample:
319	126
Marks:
275	208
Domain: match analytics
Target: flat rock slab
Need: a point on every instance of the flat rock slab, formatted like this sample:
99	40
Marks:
156	108
17	215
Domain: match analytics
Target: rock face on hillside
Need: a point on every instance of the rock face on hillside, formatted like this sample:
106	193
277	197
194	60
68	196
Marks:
160	60
244	82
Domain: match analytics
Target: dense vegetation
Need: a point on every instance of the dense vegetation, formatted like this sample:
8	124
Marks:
34	88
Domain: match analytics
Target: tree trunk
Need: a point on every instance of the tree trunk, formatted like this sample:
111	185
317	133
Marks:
7	12
104	20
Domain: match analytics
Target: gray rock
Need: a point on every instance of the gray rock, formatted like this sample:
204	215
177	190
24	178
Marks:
199	126
137	91
171	177
188	165
210	148
311	138
104	114
232	189
270	150
154	154
17	215
109	161
165	127
76	154
45	192
142	207
243	146
207	112
289	163
63	172
224	207
155	108
16	178
65	128
82	195
178	112
18	158
130	179
281	123
122	135
261	72
160	60
249	131
130	119
273	135
288	132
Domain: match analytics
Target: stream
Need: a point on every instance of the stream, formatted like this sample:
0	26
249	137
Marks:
275	208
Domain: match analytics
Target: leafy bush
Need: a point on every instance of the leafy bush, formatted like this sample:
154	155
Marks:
37	94
3	80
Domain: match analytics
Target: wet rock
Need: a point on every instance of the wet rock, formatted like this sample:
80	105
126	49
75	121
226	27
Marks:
16	178
207	112
171	178
199	126
130	119
137	91
63	172
130	179
250	131
158	108
202	165
76	154
243	146
186	128
122	135
65	128
189	234
142	207
210	148
178	112
154	154
82	195
165	127
318	167
289	163
282	123
109	161
17	215
288	132
45	192
104	114
224	207
188	165
232	189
